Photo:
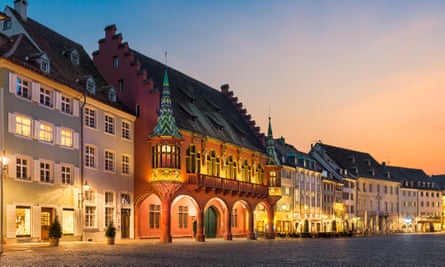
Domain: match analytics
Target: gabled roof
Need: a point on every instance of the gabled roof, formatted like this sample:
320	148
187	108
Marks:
356	163
439	180
56	46
418	177
290	156
201	109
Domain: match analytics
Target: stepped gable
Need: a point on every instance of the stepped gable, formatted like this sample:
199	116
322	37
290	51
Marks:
199	108
410	177
225	89
359	164
56	47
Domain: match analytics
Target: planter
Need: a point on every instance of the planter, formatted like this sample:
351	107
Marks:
53	242
110	240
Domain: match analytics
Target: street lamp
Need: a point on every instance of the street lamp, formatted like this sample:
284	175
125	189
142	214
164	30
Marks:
3	167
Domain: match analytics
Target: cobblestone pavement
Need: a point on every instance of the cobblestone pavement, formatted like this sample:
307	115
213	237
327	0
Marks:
391	250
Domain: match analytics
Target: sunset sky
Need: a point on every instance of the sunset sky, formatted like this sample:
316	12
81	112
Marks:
364	75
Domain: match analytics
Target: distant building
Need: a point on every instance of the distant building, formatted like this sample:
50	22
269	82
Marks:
62	128
200	161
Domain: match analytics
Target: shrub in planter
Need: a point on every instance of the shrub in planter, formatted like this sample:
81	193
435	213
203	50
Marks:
55	232
110	233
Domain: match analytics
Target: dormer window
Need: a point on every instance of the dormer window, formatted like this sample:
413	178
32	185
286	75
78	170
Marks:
91	85
74	56
44	63
7	24
112	94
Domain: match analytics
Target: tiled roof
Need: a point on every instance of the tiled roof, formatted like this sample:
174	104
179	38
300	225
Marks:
419	178
290	156
439	180
201	109
360	164
62	69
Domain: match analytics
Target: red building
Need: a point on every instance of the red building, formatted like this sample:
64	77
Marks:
201	165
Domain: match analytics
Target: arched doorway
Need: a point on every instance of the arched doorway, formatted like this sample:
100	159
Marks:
210	222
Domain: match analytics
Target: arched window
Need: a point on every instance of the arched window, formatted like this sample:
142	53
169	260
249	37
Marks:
260	174
212	164
231	168
245	172
166	156
192	160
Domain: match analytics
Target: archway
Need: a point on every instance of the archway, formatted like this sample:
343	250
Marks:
210	222
148	218
183	215
240	218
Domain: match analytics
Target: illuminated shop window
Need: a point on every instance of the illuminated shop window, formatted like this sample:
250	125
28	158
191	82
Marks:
68	222
23	221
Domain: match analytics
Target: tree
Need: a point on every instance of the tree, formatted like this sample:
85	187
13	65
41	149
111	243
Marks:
55	230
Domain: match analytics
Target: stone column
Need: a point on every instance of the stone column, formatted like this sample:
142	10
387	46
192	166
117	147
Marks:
270	229
200	226
250	230
228	233
165	221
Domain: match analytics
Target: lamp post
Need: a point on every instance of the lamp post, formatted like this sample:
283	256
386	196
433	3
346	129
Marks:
4	163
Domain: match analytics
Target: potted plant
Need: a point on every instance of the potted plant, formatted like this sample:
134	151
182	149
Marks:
55	233
110	233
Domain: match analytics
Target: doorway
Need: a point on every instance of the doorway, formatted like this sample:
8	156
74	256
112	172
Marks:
125	223
46	217
210	217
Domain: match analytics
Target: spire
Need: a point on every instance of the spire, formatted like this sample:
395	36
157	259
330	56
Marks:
270	148
166	124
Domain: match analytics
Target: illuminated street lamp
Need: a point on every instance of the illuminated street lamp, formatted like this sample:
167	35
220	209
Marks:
3	167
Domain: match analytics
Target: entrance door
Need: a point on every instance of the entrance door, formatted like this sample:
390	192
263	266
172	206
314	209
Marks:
210	222
45	220
125	223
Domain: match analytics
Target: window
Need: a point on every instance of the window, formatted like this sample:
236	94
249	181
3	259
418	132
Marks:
370	188
192	160
121	85
74	57
212	164
126	130
231	168
90	156
182	216
23	221
66	105
166	156
7	24
45	97
245	172
22	88
22	126
234	219
112	94
385	189
44	63
46	132
90	118
66	175
109	198
90	196
109	161
90	216
46	172
154	214
125	199
109	124
115	62
22	168
91	85
138	110
68	221
125	164
66	137
108	216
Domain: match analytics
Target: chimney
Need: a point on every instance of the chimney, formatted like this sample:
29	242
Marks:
21	6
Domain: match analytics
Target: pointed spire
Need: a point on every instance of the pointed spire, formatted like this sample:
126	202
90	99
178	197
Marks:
270	148
166	124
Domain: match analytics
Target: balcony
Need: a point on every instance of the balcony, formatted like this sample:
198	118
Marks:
226	186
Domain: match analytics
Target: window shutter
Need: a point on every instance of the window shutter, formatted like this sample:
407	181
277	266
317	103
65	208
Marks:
11	167
36	170
58	100
76	178
11	226
36	133
11	123
75	108
35	92
57	173
58	135
12	83
76	140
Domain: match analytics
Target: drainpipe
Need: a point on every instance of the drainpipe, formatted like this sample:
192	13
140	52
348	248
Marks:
81	148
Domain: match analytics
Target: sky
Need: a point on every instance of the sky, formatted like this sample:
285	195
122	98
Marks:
363	75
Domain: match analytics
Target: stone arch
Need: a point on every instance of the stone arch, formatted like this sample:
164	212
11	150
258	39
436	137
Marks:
263	213
148	215
183	216
219	209
241	212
